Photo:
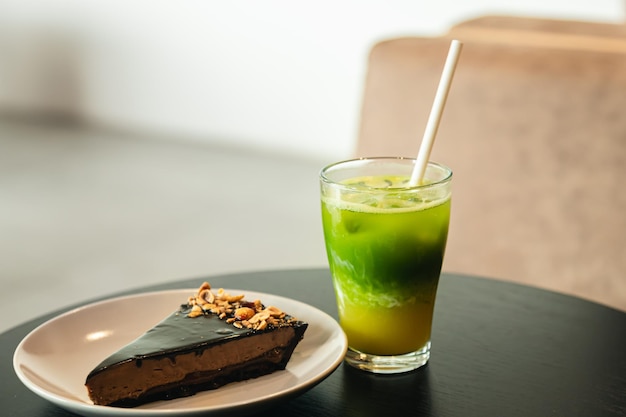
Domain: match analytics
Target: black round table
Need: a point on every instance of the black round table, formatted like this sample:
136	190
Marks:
499	349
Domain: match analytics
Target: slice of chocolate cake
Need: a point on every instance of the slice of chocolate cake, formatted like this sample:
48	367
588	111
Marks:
212	340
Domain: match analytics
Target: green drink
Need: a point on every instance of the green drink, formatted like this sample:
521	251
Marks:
385	242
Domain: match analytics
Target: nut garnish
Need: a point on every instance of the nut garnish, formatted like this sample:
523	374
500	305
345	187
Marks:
244	313
235	310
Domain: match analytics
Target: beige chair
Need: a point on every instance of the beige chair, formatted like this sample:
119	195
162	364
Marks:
536	135
569	33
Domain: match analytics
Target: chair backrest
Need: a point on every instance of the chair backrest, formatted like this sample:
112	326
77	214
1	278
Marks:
525	29
536	137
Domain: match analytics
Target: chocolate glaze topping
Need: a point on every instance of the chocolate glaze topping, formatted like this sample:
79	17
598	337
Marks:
175	334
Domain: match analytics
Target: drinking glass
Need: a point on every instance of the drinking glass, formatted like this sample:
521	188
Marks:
385	240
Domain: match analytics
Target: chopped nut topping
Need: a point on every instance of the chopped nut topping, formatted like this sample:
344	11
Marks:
235	310
244	313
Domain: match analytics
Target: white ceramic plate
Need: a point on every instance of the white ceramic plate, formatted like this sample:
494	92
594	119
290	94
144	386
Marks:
55	358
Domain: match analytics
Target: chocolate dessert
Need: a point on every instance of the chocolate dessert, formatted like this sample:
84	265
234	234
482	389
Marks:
212	340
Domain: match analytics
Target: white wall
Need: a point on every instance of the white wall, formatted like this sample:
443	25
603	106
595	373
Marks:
279	74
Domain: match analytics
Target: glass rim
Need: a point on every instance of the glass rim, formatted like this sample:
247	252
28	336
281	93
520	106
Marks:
447	178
